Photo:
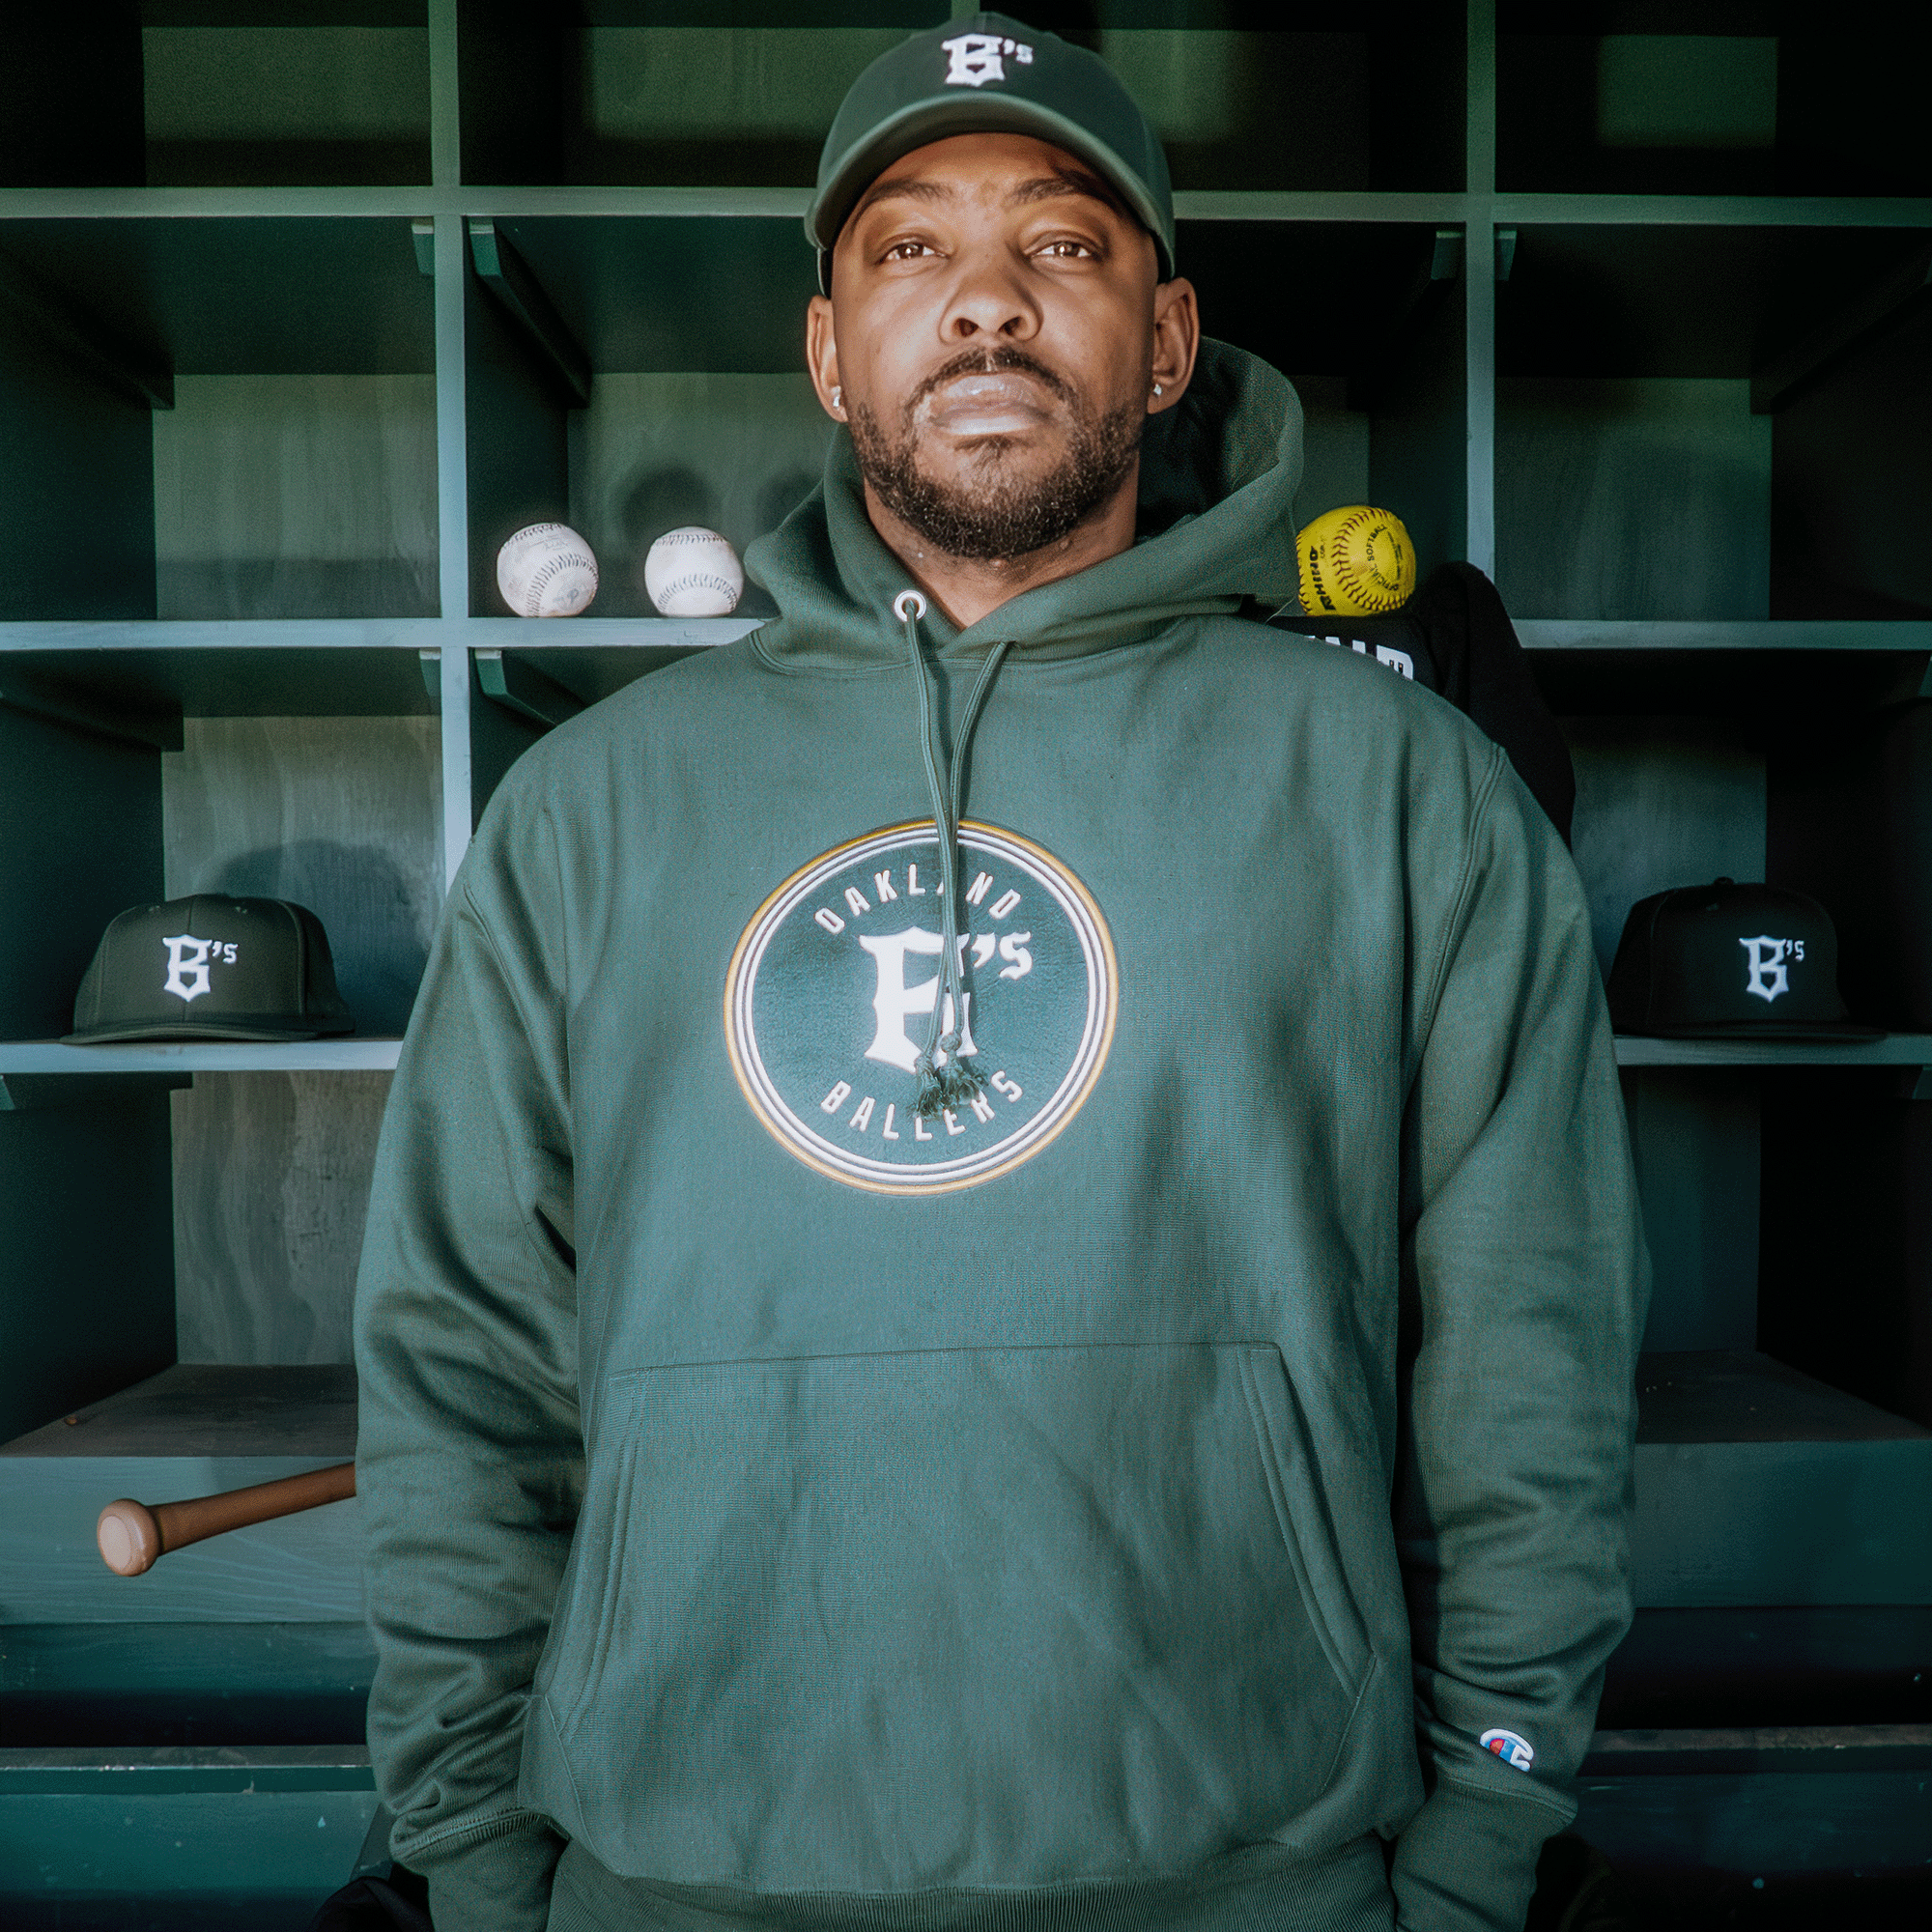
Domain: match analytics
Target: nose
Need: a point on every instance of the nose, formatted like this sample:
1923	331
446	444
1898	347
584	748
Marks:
990	298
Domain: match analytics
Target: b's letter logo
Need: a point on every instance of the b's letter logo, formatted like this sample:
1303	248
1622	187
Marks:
1766	972
187	966
975	59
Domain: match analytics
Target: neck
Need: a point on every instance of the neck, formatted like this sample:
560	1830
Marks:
967	588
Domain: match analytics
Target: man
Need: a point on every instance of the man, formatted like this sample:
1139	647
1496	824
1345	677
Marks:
1069	1364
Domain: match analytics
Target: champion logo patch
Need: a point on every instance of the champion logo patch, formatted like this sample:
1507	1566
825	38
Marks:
831	991
1509	1747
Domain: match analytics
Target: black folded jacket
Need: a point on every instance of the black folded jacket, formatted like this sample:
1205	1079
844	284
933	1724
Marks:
1454	637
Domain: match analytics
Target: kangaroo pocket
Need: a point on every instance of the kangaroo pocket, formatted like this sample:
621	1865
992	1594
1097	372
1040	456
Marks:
1003	1616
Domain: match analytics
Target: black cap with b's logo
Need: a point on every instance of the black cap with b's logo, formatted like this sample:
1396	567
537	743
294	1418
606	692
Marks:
211	967
1730	961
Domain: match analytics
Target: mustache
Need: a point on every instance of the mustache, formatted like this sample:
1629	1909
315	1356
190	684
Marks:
992	362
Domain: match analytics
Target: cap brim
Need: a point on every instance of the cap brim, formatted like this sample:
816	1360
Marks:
938	116
277	1027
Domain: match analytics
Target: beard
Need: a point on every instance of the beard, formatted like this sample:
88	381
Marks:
996	515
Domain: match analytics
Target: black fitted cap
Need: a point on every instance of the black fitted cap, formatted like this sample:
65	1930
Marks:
1730	961
989	74
211	968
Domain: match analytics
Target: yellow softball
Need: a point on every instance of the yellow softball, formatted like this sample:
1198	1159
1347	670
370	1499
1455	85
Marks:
1356	563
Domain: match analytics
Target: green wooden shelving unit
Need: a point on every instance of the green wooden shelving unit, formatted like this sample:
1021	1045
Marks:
305	307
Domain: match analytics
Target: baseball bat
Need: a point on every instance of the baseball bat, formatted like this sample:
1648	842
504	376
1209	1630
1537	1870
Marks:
133	1537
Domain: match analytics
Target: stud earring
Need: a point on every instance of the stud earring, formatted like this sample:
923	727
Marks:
838	399
1157	388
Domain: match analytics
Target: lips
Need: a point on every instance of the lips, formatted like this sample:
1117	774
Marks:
987	403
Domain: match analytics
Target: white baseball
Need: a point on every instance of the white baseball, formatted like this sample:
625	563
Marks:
547	571
694	573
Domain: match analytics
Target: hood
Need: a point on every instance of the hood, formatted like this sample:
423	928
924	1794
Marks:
1216	522
1218	477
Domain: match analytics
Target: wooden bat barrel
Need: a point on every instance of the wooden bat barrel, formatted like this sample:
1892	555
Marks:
133	1537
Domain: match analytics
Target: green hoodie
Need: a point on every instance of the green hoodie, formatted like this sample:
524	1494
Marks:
1193	1461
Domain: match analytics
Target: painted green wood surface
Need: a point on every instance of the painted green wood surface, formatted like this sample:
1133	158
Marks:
299	1569
297	495
339	813
1763	1823
288	100
208	1409
87	1261
1634	498
1788	1523
261	1860
88	1269
272	1175
98	1685
172	1058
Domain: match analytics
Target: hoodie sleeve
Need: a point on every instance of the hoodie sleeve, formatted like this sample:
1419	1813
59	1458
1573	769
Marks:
1524	1283
469	1452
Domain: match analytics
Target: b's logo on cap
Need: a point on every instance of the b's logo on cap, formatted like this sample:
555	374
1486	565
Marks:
1767	973
975	59
831	993
189	961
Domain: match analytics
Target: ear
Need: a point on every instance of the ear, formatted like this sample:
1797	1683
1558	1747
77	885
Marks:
1176	342
821	356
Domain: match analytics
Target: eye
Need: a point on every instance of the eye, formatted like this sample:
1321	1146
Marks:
906	252
1066	248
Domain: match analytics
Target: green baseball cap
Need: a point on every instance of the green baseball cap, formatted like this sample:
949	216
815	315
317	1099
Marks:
211	967
989	74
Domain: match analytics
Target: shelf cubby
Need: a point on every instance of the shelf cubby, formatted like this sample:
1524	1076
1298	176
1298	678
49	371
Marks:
1708	98
660	92
228	419
265	94
1376	360
190	1430
1759	1484
1672	406
217	93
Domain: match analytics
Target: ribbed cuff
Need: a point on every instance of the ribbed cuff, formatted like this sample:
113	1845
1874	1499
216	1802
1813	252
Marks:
498	1884
1467	1862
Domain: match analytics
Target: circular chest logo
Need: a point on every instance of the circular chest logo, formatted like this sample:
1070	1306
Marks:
830	992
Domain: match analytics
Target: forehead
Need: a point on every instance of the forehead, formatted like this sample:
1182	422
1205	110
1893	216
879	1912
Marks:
989	167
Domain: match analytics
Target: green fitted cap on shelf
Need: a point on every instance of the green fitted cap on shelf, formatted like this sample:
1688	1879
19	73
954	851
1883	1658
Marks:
211	967
989	74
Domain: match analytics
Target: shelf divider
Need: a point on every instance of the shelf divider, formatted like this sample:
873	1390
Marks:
452	492
1743	634
507	277
1713	210
1420	207
525	690
1893	1049
38	1058
157	727
1891	300
79	337
1479	291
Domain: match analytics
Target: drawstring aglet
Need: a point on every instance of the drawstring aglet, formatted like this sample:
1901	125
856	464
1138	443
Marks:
945	1088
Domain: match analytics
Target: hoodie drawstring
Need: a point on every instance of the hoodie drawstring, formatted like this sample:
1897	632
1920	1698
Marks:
956	1083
